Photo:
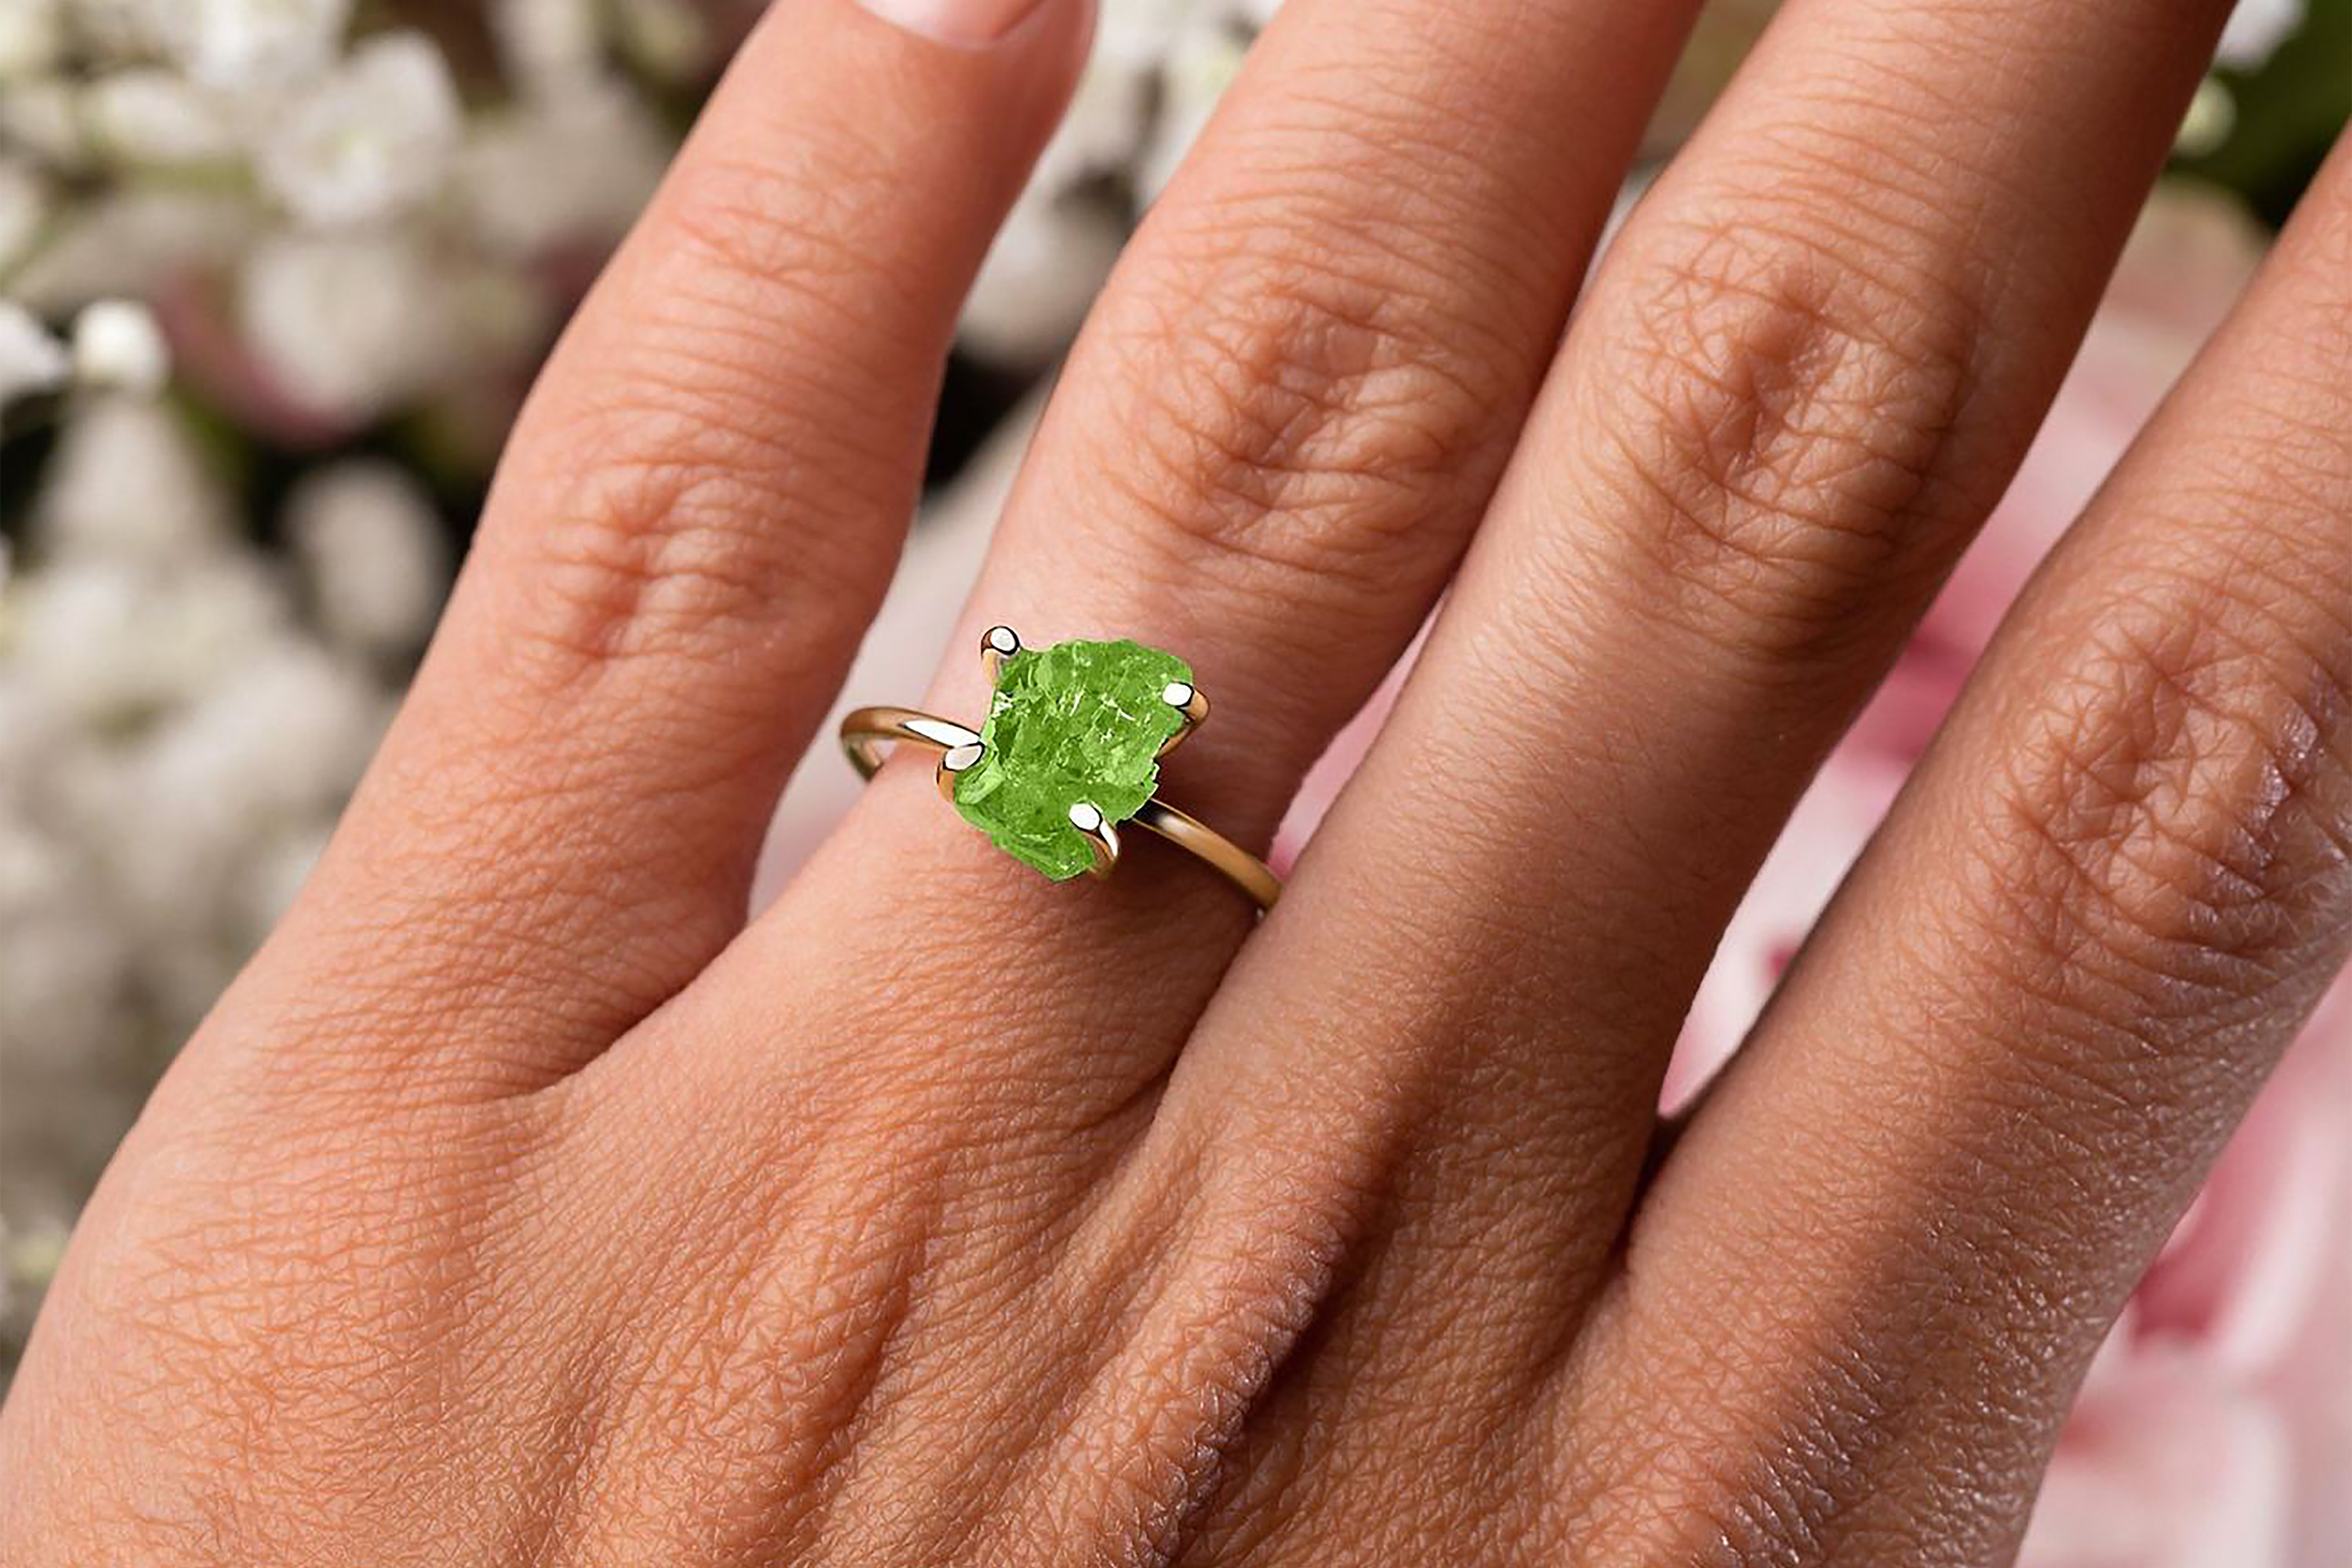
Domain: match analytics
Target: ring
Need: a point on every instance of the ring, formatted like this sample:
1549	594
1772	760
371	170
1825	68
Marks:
1069	754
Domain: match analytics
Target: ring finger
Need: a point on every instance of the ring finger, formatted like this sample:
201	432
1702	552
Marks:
1264	454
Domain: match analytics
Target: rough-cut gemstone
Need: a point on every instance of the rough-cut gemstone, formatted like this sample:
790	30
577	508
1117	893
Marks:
1076	722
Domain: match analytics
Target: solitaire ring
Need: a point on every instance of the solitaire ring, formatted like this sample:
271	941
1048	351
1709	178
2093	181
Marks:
1069	754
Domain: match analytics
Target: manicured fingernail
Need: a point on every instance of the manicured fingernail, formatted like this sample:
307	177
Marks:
964	22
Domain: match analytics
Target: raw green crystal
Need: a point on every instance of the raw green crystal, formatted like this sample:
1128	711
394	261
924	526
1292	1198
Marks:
1079	722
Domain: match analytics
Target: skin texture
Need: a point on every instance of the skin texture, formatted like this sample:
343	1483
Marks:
522	1205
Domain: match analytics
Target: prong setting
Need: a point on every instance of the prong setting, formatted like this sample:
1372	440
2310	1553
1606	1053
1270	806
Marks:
954	763
1188	701
997	645
1101	836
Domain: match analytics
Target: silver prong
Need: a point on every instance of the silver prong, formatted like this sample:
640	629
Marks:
955	763
1187	699
997	645
1100	835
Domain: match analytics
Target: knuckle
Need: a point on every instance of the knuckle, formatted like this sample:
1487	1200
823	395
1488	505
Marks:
664	525
1780	417
1287	415
672	489
2170	836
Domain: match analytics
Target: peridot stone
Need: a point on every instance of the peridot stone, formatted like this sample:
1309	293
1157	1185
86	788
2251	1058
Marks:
1076	722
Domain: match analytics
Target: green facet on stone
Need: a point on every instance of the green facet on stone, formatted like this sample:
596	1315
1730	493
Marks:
1076	722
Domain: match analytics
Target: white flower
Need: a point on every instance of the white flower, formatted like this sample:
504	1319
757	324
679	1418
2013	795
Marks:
668	39
549	45
575	167
348	326
2256	29
241	45
127	485
42	116
152	115
118	346
369	139
128	244
279	737
1158	71
116	30
110	643
1202	62
370	546
1048	263
31	359
32	36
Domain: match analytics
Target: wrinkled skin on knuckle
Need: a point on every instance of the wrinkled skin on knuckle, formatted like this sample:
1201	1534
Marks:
2167	845
1774	416
664	504
2166	836
1285	418
674	526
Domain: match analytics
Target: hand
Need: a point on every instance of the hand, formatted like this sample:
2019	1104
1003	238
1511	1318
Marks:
522	1205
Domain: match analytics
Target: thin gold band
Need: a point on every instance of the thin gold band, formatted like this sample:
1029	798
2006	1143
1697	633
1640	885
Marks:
865	732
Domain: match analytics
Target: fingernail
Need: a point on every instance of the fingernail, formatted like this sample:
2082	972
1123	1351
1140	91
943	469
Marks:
962	22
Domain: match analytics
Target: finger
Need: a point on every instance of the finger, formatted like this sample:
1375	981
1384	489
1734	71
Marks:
1799	383
1993	1082
1264	456
691	527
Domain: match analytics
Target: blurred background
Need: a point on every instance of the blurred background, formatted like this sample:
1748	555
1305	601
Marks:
274	276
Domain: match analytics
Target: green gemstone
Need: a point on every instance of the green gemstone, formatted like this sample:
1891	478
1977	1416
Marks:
1079	722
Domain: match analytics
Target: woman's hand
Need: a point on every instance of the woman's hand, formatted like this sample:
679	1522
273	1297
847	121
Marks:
522	1205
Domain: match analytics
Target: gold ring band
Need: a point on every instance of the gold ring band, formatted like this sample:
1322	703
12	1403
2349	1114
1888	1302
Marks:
865	732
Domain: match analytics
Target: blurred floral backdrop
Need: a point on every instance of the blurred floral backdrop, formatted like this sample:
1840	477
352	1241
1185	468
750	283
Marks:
273	277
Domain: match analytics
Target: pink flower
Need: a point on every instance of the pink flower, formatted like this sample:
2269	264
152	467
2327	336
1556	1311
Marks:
2216	1426
1821	840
